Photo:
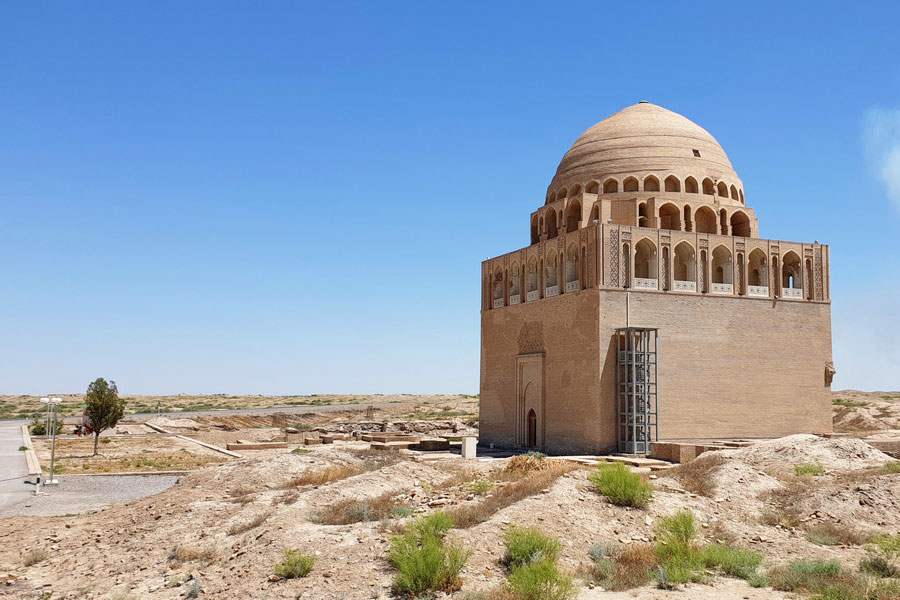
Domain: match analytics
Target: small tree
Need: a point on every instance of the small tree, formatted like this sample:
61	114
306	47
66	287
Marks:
104	407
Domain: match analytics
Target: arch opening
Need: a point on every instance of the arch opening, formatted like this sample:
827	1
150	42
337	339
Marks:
672	184
646	265
740	224
706	220
669	217
685	265
651	184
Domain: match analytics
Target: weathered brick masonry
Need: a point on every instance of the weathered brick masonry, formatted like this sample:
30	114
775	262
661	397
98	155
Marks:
744	323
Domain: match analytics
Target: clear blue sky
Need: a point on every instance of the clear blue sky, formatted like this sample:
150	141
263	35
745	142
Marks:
265	197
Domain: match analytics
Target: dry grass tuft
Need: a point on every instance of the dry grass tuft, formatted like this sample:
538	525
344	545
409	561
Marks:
253	523
520	487
202	554
33	557
353	510
242	494
696	476
322	476
377	458
528	462
633	566
288	497
831	534
785	503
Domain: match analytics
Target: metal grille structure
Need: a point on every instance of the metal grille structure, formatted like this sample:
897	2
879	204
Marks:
636	389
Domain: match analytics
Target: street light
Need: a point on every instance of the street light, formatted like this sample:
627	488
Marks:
52	403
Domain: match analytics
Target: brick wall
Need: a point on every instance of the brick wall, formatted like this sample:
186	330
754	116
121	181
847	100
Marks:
728	366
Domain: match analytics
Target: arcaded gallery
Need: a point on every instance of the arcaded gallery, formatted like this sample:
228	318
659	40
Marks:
646	306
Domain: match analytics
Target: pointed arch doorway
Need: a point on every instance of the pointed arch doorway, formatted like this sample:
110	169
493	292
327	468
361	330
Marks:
531	437
530	407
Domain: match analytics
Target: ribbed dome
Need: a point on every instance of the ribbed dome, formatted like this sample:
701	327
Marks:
642	140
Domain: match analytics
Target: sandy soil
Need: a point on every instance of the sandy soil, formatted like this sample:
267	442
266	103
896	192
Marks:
126	548
125	455
856	411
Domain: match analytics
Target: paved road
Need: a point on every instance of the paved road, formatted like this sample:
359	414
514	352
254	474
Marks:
13	468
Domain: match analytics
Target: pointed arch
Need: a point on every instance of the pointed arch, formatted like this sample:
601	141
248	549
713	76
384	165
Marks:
610	186
672	184
705	219
513	283
790	273
757	268
722	267
595	214
734	193
740	224
571	268
645	260
708	187
573	214
552	229
651	184
575	191
562	194
592	187
690	185
722	189
631	184
531	277
685	263
741	193
535	232
669	217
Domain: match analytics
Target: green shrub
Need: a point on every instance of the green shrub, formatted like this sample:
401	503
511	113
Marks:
887	544
891	467
680	561
536	454
808	469
675	535
878	566
424	561
23	448
620	486
734	562
481	487
301	451
528	545
400	511
806	576
295	564
541	581
106	440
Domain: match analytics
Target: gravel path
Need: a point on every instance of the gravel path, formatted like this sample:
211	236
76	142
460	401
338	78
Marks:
83	493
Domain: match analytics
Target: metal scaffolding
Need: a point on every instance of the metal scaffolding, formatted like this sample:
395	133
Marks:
636	389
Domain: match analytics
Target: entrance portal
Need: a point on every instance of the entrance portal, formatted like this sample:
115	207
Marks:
532	429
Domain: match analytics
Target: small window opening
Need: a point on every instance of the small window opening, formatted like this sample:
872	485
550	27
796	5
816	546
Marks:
697	153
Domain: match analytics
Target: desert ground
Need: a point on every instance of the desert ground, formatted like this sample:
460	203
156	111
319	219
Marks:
220	530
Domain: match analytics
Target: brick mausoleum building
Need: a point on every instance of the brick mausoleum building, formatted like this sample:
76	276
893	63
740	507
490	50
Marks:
645	244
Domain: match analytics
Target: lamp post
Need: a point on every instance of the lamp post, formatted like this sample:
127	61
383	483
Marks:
52	404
